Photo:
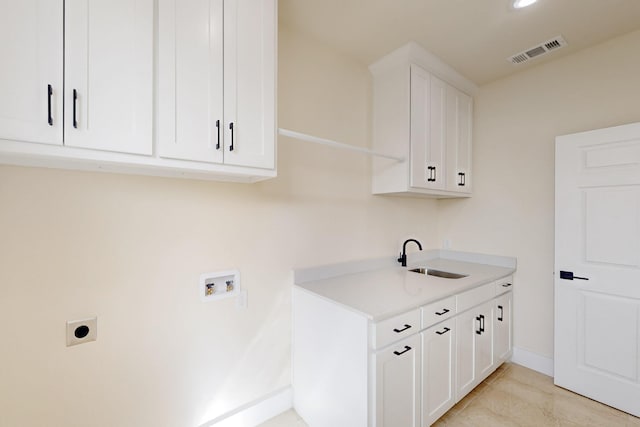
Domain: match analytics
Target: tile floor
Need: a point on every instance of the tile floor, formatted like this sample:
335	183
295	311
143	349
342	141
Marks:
514	396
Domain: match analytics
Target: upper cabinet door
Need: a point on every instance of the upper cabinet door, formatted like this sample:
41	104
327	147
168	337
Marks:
191	123
249	82
428	97
31	84
459	119
109	75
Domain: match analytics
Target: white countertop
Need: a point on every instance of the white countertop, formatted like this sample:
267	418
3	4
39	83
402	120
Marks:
379	293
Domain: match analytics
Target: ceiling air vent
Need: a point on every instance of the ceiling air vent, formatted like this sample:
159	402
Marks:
539	50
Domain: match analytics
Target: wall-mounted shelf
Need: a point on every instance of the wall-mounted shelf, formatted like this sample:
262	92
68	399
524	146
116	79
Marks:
327	142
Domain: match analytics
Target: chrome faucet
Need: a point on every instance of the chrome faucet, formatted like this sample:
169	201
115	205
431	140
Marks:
403	256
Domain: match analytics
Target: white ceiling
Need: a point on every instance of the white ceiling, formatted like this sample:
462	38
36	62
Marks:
473	36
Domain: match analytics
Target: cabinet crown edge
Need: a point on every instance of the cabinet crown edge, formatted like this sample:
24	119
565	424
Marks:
413	53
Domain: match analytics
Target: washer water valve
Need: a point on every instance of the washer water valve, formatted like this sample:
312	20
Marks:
222	284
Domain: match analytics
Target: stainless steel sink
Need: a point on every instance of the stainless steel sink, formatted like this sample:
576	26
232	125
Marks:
437	273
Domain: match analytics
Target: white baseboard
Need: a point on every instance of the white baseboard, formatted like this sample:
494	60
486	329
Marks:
256	412
534	361
261	410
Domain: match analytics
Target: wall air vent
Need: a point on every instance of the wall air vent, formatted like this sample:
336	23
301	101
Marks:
539	50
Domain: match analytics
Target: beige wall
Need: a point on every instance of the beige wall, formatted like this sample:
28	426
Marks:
516	121
130	249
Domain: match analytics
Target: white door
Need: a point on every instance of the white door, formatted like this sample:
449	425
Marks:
484	341
597	244
31	90
502	332
459	116
249	83
474	343
191	123
438	371
109	75
397	384
428	98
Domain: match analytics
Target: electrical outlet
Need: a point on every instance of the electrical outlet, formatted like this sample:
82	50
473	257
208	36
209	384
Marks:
82	331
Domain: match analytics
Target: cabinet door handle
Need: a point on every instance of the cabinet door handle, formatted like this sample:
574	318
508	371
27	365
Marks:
501	317
231	128
463	179
443	332
432	173
406	348
403	329
218	128
480	320
75	102
506	285
445	311
49	95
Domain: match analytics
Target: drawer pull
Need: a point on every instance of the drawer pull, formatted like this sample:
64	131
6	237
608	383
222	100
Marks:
506	285
397	331
445	311
443	332
406	348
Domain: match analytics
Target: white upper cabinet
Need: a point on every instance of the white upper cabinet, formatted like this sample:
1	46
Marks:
31	87
105	94
428	144
422	112
217	81
109	75
178	88
190	80
459	116
249	88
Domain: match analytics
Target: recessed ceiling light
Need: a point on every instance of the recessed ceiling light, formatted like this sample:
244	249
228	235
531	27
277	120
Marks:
519	4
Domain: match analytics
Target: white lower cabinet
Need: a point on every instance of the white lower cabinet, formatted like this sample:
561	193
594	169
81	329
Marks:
404	371
502	329
474	347
438	370
397	384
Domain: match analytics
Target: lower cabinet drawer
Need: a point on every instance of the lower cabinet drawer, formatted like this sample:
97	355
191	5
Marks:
395	328
438	311
473	297
504	285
